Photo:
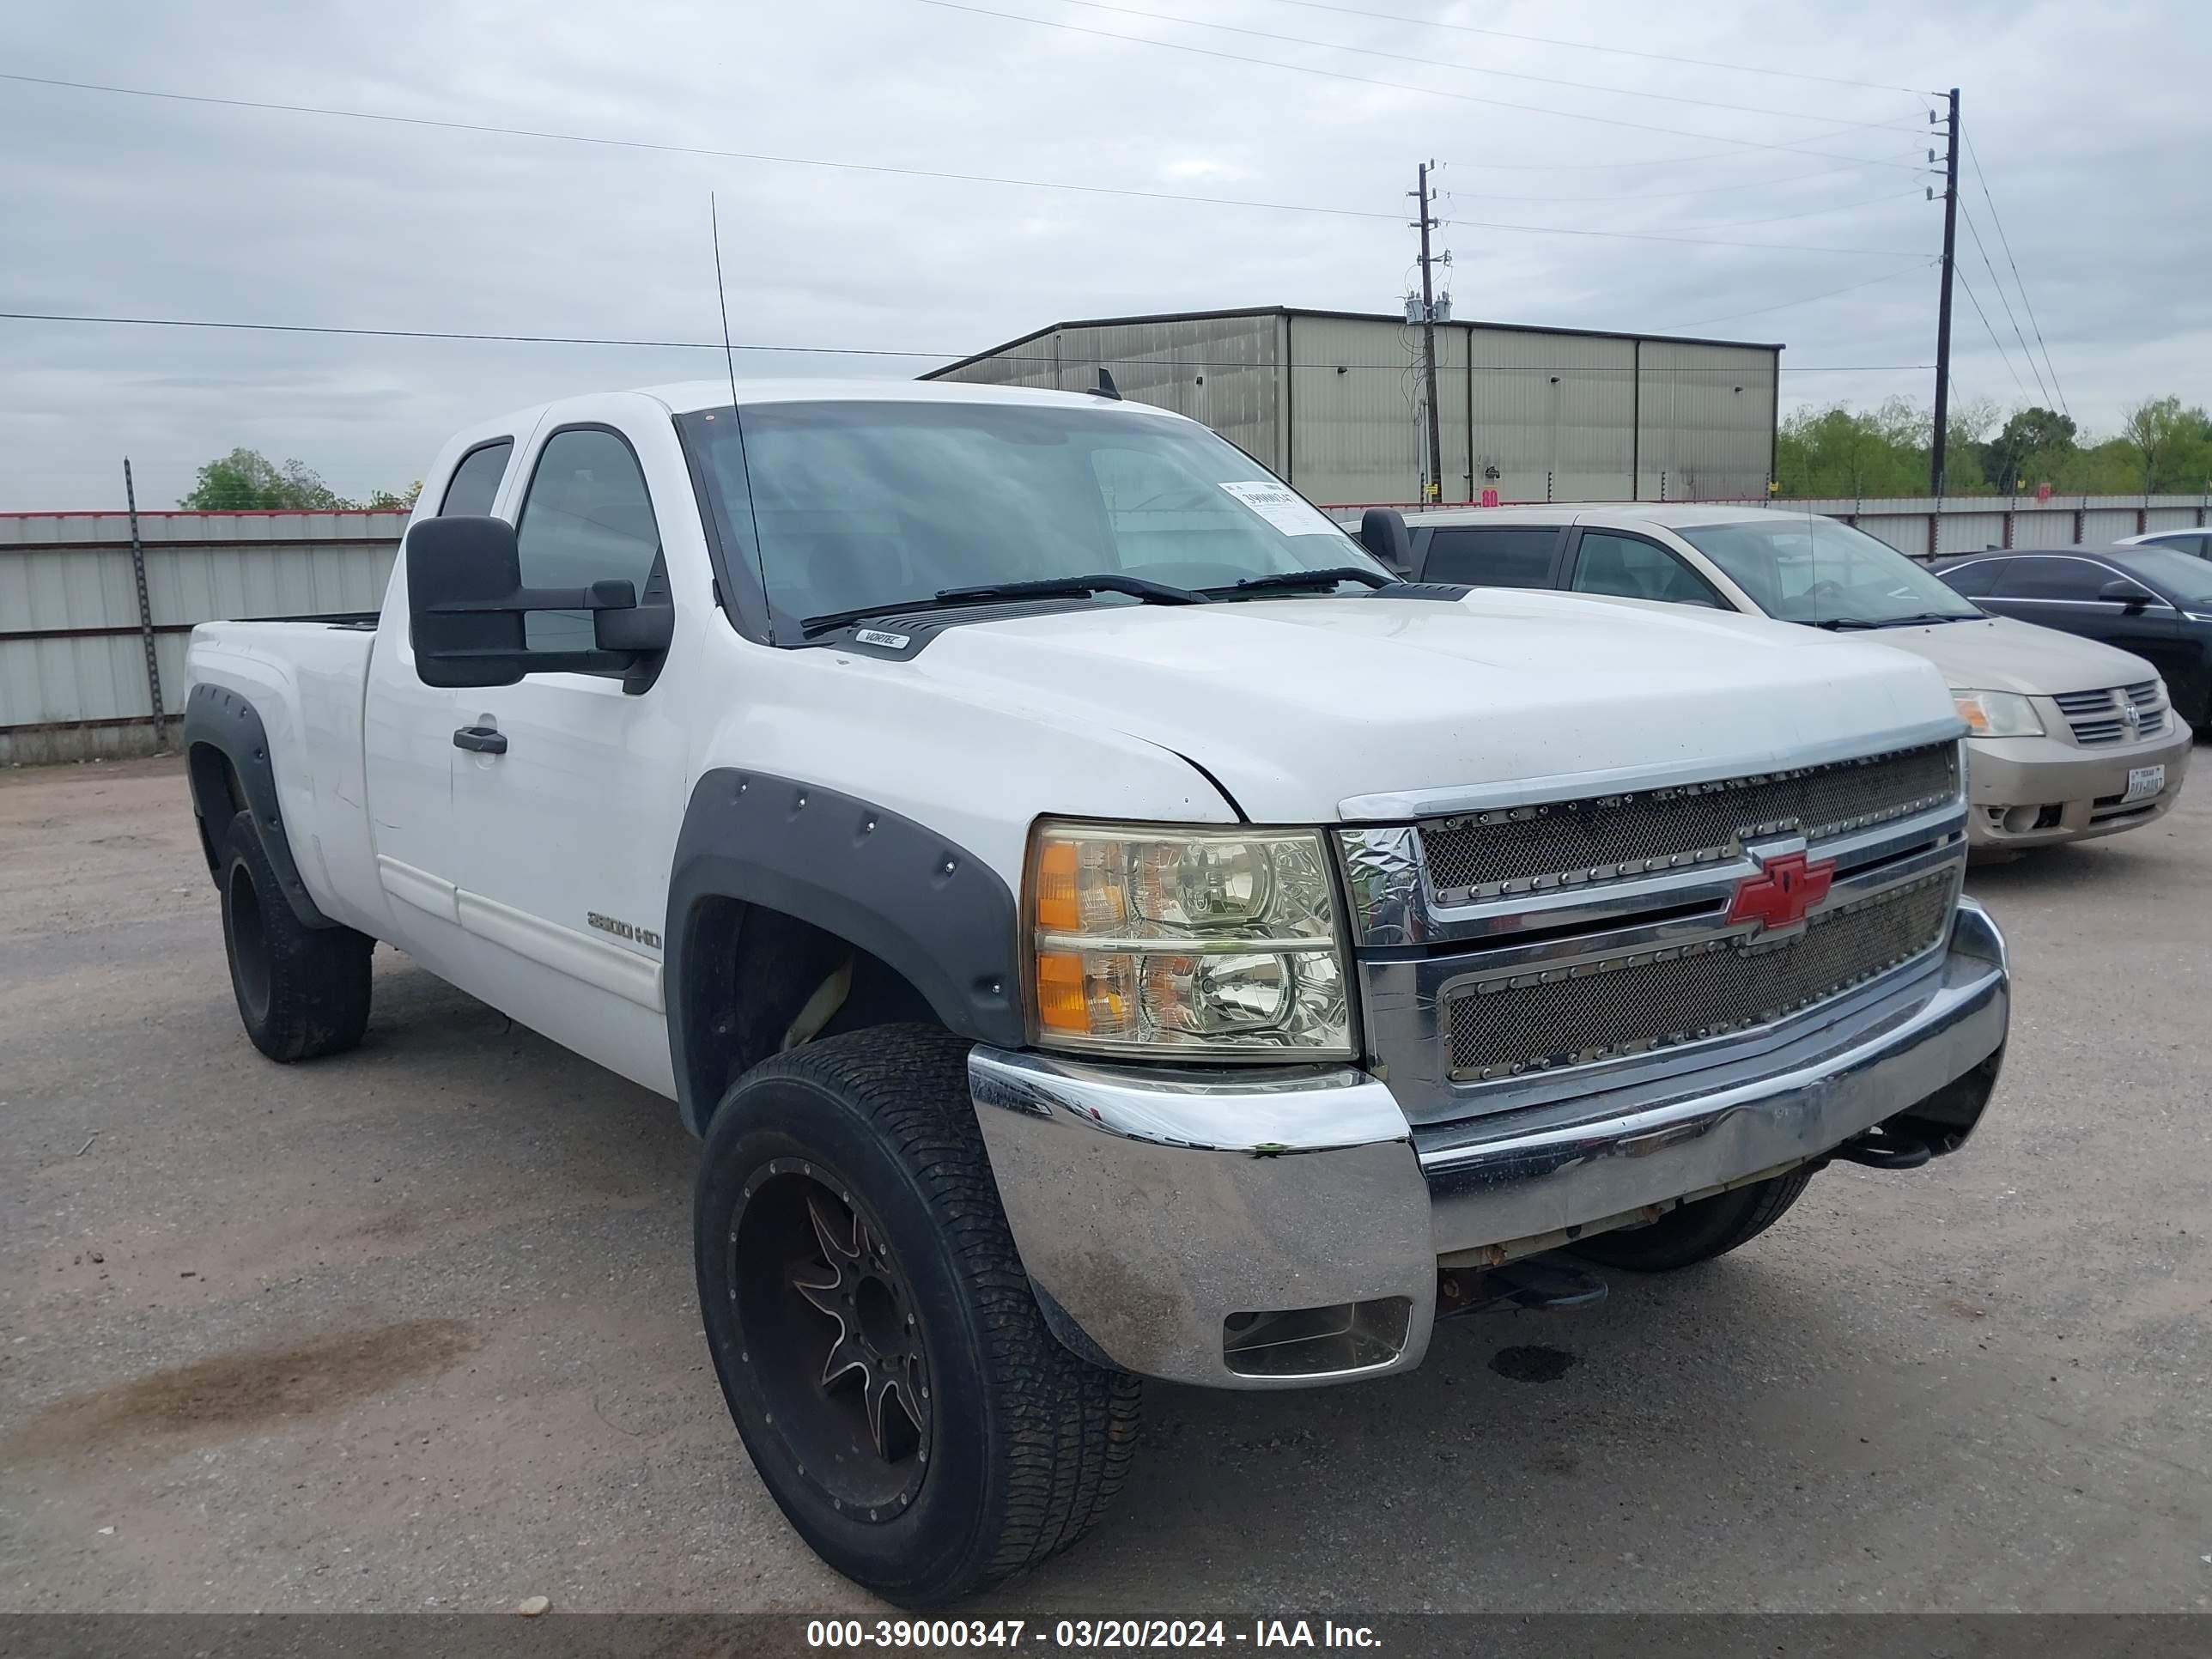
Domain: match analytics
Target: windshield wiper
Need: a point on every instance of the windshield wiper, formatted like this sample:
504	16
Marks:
1836	624
1051	587
1287	580
1924	617
1056	588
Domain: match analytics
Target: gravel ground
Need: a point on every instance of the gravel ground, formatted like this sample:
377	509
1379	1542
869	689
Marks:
413	1328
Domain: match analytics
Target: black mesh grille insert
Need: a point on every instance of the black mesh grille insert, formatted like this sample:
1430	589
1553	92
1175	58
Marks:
1610	836
1648	999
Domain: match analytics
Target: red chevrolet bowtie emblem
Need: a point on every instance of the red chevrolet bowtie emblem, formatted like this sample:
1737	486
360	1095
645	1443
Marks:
1786	887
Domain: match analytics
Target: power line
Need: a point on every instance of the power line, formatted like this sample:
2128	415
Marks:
1806	213
820	351
552	135
2005	355
1584	45
1694	241
490	129
1461	68
1661	195
2005	243
1827	294
1996	283
1794	148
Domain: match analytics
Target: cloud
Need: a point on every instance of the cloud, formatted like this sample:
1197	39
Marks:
129	206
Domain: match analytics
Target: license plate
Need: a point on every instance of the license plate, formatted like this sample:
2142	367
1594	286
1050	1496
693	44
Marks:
2145	781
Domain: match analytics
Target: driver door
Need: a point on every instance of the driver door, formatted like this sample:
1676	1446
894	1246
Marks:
567	818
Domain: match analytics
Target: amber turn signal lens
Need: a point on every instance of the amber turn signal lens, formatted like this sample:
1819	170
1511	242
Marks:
1061	1004
1056	909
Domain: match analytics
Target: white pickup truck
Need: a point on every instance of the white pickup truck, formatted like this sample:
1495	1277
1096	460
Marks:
1100	922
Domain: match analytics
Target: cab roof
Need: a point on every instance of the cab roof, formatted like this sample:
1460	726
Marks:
683	397
1674	515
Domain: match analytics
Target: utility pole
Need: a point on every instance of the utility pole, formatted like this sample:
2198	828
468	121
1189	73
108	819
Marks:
1944	305
1426	223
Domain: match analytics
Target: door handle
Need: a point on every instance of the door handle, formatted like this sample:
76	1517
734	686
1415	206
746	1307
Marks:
482	739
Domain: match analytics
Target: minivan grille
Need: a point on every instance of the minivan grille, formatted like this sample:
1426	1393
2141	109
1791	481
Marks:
2097	718
1609	837
1647	1000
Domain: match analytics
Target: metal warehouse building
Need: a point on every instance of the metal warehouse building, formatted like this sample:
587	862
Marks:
1332	400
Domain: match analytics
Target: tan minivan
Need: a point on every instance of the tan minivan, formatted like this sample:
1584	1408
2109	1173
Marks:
2070	737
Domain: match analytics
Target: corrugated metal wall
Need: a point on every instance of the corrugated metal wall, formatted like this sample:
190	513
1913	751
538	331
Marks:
1357	430
1223	371
1922	527
1706	419
72	654
1554	416
1332	402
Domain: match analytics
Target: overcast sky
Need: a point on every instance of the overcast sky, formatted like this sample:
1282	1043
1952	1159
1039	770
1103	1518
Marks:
2093	134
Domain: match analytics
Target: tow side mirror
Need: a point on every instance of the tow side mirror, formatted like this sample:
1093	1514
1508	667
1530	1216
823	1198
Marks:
2132	595
466	602
1383	532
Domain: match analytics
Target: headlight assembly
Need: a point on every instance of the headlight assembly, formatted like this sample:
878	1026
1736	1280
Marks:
1192	943
1997	715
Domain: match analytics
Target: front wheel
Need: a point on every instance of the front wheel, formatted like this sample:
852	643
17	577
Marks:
877	1339
1691	1233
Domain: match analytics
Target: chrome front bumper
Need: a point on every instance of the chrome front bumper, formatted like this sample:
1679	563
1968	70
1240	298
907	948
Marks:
1283	1229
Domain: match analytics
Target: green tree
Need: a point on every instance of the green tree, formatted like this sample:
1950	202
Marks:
2170	446
2031	447
1840	451
246	479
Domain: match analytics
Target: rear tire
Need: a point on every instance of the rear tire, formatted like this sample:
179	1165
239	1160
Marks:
302	992
1697	1232
877	1339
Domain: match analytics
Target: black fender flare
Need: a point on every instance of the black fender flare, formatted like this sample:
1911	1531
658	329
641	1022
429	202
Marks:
221	726
895	888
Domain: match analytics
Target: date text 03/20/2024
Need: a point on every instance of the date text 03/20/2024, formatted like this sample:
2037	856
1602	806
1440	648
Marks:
1086	1633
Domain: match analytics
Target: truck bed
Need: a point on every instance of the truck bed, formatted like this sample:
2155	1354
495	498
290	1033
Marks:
306	679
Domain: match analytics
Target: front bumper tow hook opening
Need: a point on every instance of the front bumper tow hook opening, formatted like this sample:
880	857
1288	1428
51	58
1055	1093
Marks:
1531	1283
1880	1151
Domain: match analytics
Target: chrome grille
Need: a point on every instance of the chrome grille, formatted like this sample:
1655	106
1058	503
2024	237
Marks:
1643	1000
1609	837
2097	718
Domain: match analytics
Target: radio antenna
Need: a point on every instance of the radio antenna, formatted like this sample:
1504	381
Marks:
722	299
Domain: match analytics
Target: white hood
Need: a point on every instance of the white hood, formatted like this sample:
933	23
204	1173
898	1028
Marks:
1299	705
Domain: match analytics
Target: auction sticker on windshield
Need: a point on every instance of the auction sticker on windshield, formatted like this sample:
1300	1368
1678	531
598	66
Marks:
1283	507
2144	781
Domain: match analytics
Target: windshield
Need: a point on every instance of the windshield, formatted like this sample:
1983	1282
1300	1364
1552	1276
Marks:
1806	569
2184	575
854	506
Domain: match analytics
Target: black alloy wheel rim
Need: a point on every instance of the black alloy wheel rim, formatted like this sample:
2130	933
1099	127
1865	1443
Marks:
827	1327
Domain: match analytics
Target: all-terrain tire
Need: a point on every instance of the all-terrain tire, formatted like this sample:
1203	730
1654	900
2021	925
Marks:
1697	1232
302	992
1024	1444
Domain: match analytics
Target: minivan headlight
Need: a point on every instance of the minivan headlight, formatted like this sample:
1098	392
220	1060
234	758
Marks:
1997	713
1192	943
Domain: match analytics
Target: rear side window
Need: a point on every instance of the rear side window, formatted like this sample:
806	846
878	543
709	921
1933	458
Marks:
1977	580
587	518
474	484
1634	568
1505	556
2051	578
